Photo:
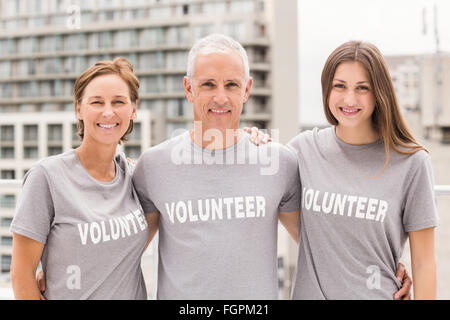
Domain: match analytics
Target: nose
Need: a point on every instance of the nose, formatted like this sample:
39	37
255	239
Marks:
108	110
221	97
350	98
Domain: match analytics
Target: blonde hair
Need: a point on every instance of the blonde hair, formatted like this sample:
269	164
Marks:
119	66
386	117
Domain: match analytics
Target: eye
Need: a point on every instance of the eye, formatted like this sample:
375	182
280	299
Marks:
339	86
119	102
208	84
96	102
232	84
363	88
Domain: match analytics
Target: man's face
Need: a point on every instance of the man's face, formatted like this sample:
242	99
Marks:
218	90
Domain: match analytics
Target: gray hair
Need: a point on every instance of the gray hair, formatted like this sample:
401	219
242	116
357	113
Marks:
216	43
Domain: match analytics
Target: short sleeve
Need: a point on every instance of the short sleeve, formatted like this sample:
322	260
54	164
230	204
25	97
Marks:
292	194
420	207
140	184
35	209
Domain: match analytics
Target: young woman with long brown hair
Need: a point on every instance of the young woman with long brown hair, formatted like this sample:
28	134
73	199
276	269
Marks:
367	186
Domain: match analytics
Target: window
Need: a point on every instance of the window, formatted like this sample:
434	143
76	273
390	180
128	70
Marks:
7	133
54	132
6	263
235	30
75	64
202	30
152	84
124	39
27	45
176	59
8	174
178	108
150	37
5	222
100	40
5	90
47	88
153	60
135	135
51	151
243	6
25	67
6	241
30	133
214	8
7	201
7	152
5	69
30	152
74	42
174	83
177	35
50	66
50	43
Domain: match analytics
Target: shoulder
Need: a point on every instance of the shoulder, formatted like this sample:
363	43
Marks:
414	160
162	152
54	163
310	138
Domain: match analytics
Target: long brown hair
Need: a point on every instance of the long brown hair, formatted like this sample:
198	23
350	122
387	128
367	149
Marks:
386	117
119	66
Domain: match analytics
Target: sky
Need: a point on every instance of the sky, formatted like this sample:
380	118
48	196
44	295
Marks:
394	26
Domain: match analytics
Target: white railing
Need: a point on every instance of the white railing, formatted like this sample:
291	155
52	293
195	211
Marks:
440	190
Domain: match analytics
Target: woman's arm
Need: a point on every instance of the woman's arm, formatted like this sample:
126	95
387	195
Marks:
153	224
26	254
423	263
290	222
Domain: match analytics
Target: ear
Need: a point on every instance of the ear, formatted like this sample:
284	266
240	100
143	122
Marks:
78	110
188	90
248	87
133	113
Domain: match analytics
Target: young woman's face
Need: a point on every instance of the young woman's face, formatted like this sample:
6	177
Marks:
352	100
106	109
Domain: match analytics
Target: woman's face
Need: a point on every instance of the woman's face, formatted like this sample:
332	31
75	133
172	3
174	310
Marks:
351	99
106	109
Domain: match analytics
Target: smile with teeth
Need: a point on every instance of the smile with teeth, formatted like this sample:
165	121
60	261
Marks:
107	125
219	111
349	111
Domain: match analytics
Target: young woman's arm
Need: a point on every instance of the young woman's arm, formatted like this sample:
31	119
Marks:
26	254
423	263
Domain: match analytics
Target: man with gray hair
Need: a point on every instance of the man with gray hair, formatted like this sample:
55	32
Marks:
210	190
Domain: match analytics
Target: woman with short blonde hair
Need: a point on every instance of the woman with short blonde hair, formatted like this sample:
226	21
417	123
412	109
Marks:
78	213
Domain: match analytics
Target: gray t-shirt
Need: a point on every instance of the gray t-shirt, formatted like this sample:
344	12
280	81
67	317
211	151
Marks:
218	216
94	232
353	224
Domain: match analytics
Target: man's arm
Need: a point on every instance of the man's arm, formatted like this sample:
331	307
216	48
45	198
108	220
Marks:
26	254
153	225
290	221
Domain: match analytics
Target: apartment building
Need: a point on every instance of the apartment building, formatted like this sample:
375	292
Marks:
46	44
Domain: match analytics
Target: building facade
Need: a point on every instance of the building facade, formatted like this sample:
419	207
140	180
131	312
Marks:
46	44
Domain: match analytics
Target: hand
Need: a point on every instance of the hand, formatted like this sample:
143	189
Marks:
133	162
405	291
40	279
257	136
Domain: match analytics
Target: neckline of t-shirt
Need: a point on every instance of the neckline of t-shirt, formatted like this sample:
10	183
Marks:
353	146
233	147
114	180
